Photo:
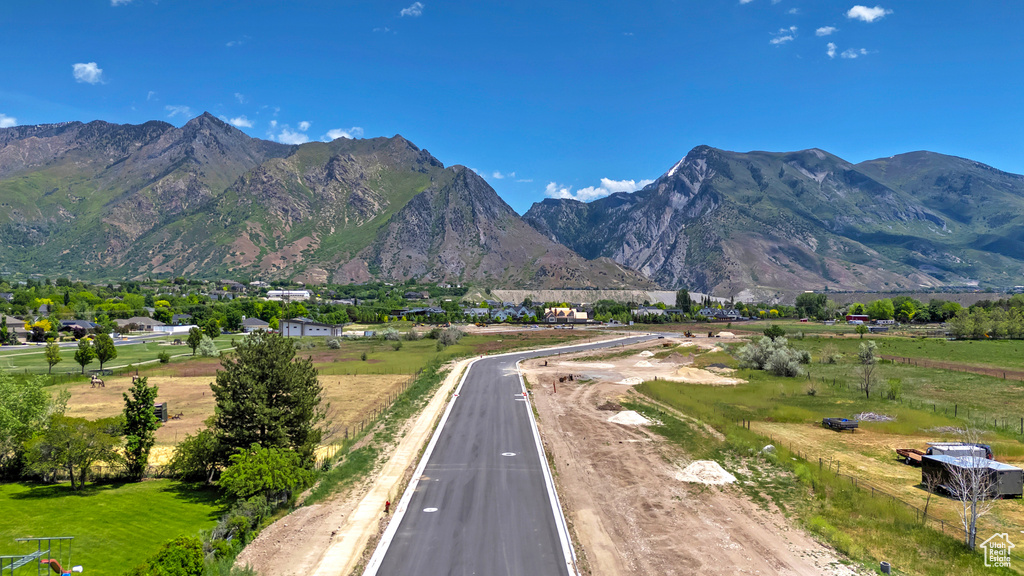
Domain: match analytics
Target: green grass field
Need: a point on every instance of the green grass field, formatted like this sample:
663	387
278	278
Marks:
33	360
115	526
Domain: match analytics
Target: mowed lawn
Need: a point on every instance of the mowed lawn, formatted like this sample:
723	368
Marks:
115	526
33	359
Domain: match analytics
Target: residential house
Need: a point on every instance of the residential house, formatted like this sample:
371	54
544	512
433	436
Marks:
181	319
289	295
232	285
305	327
720	314
16	325
67	325
221	296
477	312
138	323
647	311
560	315
9	296
254	324
412	295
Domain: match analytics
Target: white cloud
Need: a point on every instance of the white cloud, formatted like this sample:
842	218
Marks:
89	73
241	122
240	97
415	10
825	31
499	176
525	180
7	121
303	126
384	29
173	111
350	133
608	186
831	50
150	95
867	14
784	35
793	11
120	2
854	53
746	1
238	42
288	137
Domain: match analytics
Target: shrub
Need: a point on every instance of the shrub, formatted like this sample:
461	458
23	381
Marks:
774	331
334	344
261	471
774	356
397	345
164	357
895	389
412	336
207	347
390	334
180	557
830	354
450	336
363	356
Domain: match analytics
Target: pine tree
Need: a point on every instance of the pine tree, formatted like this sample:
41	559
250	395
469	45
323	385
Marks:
268	397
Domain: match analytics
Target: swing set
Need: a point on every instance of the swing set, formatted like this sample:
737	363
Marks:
43	557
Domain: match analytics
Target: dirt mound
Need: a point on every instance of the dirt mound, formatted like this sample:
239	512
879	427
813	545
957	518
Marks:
631	381
705	472
629	418
646	354
644	364
691	375
610	406
675	358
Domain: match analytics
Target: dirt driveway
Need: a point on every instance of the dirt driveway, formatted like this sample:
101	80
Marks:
631	516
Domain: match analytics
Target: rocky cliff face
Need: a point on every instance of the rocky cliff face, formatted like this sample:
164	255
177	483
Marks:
761	222
109	201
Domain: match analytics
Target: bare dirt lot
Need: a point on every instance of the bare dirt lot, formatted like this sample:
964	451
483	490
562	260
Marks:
630	515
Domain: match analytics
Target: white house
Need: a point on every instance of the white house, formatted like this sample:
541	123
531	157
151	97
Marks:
174	330
305	327
254	324
289	295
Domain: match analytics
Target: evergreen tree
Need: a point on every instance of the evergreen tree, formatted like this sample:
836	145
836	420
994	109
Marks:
268	397
140	425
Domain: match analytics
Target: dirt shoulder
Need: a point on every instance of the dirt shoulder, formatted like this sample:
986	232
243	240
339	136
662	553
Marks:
630	515
332	537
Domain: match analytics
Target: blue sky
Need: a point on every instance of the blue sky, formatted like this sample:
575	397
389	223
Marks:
540	98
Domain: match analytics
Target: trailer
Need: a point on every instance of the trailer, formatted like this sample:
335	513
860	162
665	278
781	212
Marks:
910	456
840	424
1003	480
959	449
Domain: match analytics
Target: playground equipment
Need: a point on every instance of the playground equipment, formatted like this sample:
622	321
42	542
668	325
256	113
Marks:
42	557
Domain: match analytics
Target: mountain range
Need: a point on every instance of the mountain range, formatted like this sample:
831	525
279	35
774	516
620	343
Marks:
122	201
104	201
751	224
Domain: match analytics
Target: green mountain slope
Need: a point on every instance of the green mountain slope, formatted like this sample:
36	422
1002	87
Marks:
109	201
758	223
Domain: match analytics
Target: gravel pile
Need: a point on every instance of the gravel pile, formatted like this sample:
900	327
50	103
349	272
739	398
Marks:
646	354
705	472
632	381
629	418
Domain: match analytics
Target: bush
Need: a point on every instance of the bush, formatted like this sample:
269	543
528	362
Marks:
774	331
412	336
774	356
207	347
163	357
334	344
390	334
450	336
180	557
363	356
895	389
397	345
269	472
830	354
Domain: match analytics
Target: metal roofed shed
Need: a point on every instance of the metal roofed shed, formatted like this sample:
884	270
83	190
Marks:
959	449
1006	481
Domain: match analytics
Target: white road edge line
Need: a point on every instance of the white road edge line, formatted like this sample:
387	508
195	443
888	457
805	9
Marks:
389	533
556	507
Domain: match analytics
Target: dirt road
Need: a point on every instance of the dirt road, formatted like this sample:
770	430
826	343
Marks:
629	514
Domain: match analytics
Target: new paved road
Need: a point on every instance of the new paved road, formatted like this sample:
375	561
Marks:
482	506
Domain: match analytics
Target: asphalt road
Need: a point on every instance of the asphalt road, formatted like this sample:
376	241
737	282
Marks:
482	506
